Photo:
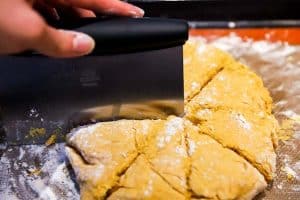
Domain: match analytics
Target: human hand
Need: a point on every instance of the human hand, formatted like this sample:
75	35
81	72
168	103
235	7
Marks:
23	28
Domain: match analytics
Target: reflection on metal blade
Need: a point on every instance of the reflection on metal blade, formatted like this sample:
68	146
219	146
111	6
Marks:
41	96
159	109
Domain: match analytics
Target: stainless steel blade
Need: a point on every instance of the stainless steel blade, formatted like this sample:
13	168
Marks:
40	96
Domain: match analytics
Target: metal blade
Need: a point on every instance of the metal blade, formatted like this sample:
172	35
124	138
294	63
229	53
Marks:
41	96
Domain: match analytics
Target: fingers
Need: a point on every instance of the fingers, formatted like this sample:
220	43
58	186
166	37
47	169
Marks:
61	43
49	11
46	10
71	13
27	30
109	7
84	13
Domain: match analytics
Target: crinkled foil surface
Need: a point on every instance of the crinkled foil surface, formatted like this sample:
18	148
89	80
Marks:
39	172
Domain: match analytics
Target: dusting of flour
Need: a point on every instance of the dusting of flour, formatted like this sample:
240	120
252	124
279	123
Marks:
36	172
278	63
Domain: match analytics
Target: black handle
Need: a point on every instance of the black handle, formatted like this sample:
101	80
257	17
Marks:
123	35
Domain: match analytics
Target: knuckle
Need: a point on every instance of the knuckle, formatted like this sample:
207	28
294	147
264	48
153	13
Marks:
65	45
62	48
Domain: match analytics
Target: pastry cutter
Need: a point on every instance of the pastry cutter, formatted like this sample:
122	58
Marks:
134	72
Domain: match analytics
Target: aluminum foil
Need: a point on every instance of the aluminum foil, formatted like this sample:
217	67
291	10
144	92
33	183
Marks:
39	172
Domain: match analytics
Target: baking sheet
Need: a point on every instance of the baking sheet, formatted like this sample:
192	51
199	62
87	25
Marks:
39	172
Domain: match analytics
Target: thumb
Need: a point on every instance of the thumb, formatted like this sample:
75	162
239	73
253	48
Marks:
62	43
27	30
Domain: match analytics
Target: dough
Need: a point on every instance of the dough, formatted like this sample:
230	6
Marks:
141	182
201	63
235	109
238	89
158	159
223	148
98	155
218	172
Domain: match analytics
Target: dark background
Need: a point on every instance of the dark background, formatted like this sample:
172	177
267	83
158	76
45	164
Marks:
222	10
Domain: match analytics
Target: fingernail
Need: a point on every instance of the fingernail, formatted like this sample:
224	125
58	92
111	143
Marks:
137	12
83	43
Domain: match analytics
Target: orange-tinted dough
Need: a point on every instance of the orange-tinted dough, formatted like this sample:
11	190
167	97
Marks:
141	182
248	133
222	148
237	88
218	172
201	63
